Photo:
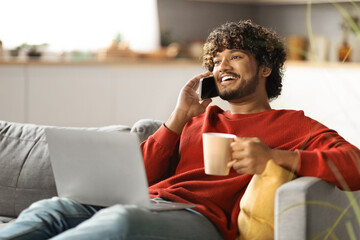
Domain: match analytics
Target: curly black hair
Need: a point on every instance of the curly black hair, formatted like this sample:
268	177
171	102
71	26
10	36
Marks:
264	44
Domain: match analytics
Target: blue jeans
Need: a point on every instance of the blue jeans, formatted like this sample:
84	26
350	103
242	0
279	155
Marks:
60	218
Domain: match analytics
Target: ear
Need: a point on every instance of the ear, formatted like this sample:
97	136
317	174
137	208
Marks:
265	71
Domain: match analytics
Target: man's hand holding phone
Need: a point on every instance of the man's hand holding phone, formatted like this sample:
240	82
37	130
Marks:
188	105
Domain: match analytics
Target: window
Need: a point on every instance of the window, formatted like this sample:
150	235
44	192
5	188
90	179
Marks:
85	25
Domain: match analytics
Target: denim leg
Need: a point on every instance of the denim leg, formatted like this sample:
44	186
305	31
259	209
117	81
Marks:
131	222
47	218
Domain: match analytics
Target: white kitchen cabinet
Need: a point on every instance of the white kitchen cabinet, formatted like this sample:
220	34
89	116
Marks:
91	95
13	94
151	90
72	95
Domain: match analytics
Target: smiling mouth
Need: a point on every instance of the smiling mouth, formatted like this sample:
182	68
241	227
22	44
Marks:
228	77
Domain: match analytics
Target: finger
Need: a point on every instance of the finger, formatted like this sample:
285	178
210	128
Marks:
247	139
231	163
205	74
240	167
238	155
206	103
237	146
198	77
195	81
242	139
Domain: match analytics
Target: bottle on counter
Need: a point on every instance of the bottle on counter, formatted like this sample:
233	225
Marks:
1	50
344	52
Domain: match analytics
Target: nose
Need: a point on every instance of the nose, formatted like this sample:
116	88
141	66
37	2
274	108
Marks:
225	65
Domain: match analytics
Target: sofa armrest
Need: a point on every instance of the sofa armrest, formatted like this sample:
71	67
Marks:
145	127
310	208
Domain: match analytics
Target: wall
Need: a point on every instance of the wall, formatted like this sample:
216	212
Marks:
192	20
186	21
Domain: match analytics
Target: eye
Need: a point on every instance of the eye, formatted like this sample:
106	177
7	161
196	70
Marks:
236	57
216	62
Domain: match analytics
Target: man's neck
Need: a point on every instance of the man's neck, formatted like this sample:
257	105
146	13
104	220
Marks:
249	106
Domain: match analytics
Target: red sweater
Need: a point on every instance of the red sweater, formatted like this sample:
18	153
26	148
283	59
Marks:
175	169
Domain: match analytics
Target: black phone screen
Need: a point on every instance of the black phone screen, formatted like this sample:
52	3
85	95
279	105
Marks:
208	88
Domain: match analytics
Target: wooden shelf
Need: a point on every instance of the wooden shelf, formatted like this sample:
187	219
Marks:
310	64
148	61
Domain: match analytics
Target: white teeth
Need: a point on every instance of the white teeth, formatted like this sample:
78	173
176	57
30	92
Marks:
227	78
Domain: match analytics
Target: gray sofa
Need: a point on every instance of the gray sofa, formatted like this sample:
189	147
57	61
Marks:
305	208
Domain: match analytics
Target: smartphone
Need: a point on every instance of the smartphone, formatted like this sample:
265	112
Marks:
208	88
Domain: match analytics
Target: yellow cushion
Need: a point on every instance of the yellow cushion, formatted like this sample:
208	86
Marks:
256	218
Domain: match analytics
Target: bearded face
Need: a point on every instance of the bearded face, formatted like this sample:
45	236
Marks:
246	88
236	73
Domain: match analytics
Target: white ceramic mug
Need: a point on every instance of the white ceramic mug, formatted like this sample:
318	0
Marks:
217	153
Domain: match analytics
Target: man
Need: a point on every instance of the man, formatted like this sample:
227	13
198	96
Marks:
246	61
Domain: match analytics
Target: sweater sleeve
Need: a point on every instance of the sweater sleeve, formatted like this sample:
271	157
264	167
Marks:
160	152
328	156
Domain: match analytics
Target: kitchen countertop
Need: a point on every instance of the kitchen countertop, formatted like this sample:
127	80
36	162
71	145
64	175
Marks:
149	61
118	61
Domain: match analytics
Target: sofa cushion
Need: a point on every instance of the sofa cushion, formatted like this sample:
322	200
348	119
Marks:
25	170
256	218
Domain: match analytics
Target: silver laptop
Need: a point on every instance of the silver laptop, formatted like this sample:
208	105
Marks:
101	168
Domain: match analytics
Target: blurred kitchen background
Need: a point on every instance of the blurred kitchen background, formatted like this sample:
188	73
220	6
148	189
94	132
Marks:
96	63
83	30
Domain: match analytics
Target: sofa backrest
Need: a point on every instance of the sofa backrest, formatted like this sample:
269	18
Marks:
25	170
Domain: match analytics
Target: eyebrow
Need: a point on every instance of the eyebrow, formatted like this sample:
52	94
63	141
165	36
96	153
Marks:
237	50
232	51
